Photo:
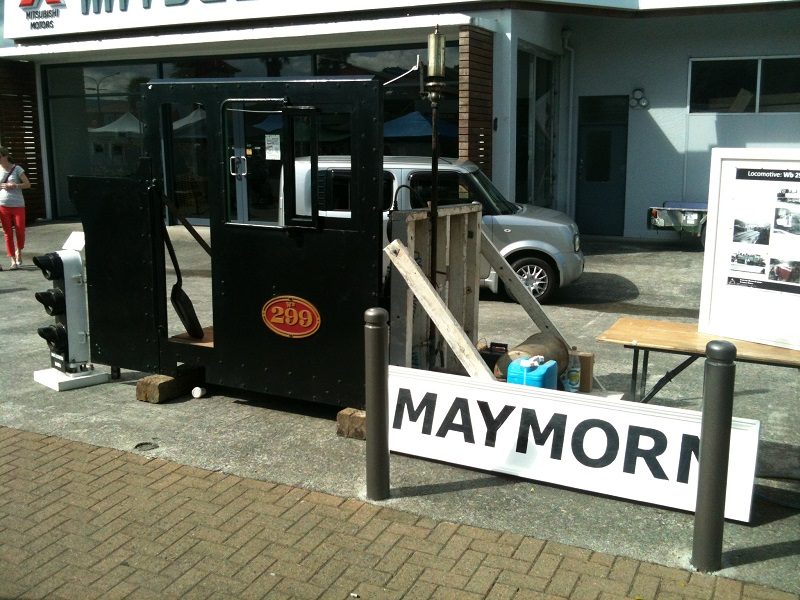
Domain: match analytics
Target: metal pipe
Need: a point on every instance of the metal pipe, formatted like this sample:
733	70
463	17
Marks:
436	74
376	387
715	442
434	183
434	218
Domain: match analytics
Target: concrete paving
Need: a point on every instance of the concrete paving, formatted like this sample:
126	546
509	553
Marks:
258	439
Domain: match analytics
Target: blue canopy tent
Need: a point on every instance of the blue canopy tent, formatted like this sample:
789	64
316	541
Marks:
271	124
415	124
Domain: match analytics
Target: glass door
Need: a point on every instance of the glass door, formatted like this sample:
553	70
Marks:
535	129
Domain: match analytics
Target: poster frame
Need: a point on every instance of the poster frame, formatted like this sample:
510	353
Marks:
734	302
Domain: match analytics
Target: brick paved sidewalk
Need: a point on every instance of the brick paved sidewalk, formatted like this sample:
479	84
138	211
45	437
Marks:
79	522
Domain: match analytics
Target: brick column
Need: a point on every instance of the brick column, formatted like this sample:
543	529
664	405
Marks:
475	96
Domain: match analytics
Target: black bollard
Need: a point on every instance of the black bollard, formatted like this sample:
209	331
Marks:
715	442
376	383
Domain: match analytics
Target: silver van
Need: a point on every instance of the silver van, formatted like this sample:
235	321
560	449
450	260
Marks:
542	245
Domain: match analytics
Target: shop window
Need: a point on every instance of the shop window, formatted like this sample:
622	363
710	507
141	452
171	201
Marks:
97	81
289	66
192	68
780	85
408	113
252	66
745	85
722	86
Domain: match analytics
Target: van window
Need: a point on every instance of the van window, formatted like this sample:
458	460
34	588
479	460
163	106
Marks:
454	188
335	193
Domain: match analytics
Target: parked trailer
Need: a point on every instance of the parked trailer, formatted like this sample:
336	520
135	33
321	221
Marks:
683	217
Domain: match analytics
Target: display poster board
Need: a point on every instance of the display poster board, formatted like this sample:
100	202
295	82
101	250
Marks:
622	449
751	269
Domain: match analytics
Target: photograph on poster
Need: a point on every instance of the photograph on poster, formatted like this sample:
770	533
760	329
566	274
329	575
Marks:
753	246
787	271
751	232
787	220
789	196
748	263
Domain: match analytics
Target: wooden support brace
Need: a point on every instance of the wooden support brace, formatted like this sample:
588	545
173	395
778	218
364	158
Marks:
517	289
447	325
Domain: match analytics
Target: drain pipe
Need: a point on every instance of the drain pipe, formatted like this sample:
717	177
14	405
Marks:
565	36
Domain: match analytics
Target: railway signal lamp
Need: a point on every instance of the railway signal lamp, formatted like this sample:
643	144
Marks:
68	336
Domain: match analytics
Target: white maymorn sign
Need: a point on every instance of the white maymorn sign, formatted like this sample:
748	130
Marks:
624	449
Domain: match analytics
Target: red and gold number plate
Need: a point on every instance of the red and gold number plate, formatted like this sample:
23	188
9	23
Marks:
291	316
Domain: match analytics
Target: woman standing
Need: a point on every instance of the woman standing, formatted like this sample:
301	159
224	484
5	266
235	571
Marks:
12	206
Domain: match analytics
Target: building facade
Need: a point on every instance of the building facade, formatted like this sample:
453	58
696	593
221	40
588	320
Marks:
599	109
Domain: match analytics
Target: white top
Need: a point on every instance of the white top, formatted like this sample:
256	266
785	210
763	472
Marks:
12	198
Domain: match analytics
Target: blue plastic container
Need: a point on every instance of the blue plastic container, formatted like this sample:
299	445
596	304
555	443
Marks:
523	372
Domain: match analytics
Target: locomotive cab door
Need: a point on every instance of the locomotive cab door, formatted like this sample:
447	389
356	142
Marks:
289	282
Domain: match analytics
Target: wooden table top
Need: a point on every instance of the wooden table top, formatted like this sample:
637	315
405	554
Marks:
684	338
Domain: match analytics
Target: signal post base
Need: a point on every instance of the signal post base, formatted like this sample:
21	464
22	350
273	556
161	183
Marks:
60	381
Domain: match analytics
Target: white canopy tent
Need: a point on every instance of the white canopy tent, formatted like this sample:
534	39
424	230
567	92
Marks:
126	124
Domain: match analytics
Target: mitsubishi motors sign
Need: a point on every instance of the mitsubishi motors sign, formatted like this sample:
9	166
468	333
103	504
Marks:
38	15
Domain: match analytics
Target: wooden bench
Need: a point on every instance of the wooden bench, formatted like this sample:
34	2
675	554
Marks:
670	337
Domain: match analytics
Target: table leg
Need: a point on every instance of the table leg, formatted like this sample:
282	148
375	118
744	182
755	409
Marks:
634	373
643	383
669	376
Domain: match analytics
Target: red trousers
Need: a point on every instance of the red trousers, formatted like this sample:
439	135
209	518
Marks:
13	218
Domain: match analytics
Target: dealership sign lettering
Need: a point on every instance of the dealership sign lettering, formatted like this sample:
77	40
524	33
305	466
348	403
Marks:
108	5
623	449
55	18
31	18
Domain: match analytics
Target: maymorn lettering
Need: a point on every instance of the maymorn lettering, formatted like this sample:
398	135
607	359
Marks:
600	445
639	446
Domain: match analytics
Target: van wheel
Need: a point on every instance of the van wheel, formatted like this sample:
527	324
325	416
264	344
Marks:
537	276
